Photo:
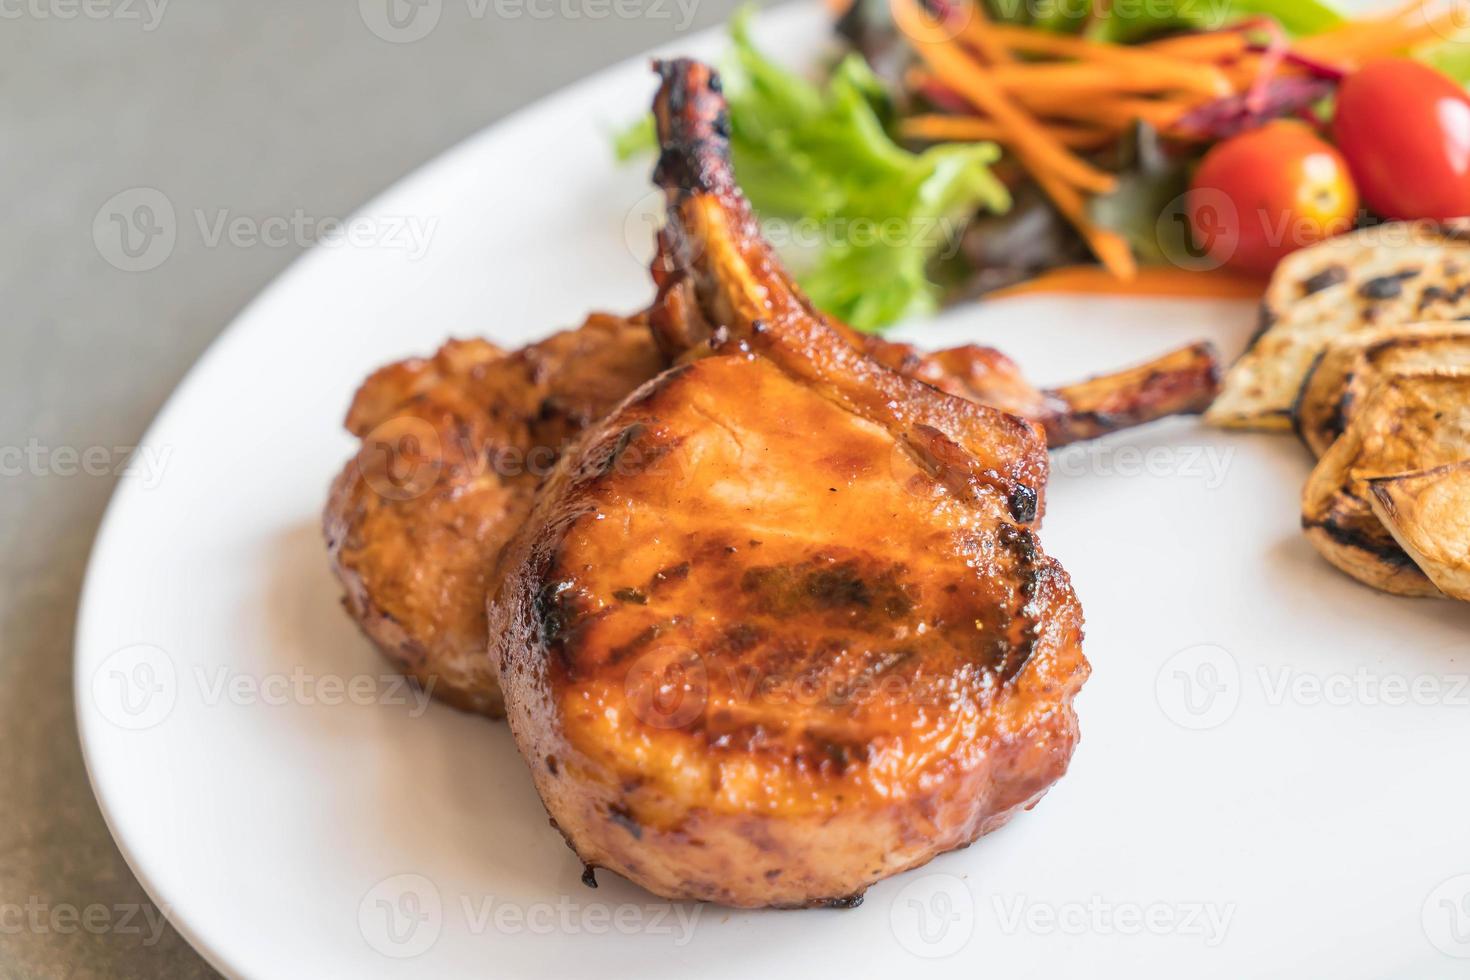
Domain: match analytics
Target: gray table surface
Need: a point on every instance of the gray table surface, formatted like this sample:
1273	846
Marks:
263	108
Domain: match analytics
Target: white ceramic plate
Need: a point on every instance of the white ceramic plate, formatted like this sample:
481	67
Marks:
1272	776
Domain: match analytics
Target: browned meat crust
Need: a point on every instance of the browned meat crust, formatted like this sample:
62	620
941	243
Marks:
453	449
781	626
1181	382
417	565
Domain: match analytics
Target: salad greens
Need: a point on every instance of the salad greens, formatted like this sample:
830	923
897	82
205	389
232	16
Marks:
866	225
1126	22
1452	58
858	217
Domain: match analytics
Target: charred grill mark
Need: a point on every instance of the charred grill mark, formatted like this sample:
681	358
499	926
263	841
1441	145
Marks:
1337	424
623	817
639	643
1386	287
637	451
634	596
770	584
1431	295
713	550
1298	401
620	445
1022	546
819	584
553	612
1266	320
693	127
1438	294
662	577
839	754
814	751
837	587
1330	276
741	637
1387	552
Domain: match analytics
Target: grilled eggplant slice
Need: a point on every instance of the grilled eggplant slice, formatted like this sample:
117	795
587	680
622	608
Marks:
1408	423
1378	277
1350	366
1428	514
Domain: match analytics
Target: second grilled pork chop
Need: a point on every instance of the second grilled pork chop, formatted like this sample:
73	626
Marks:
453	448
781	626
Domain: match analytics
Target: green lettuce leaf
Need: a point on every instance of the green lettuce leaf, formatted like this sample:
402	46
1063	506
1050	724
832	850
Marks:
858	218
1452	58
1126	23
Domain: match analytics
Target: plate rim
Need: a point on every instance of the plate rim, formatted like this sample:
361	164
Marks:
89	729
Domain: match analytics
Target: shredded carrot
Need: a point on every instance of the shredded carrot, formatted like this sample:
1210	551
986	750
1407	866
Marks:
1445	27
1097	79
1351	33
1151	280
1109	247
969	128
1208	47
1113	251
1115	111
1148	70
1041	152
1411	27
980	31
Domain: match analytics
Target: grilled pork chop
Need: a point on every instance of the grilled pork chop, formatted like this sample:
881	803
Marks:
416	566
416	556
781	627
416	561
453	449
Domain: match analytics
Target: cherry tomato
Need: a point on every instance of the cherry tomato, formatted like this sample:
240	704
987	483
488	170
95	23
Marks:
1268	192
1405	130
